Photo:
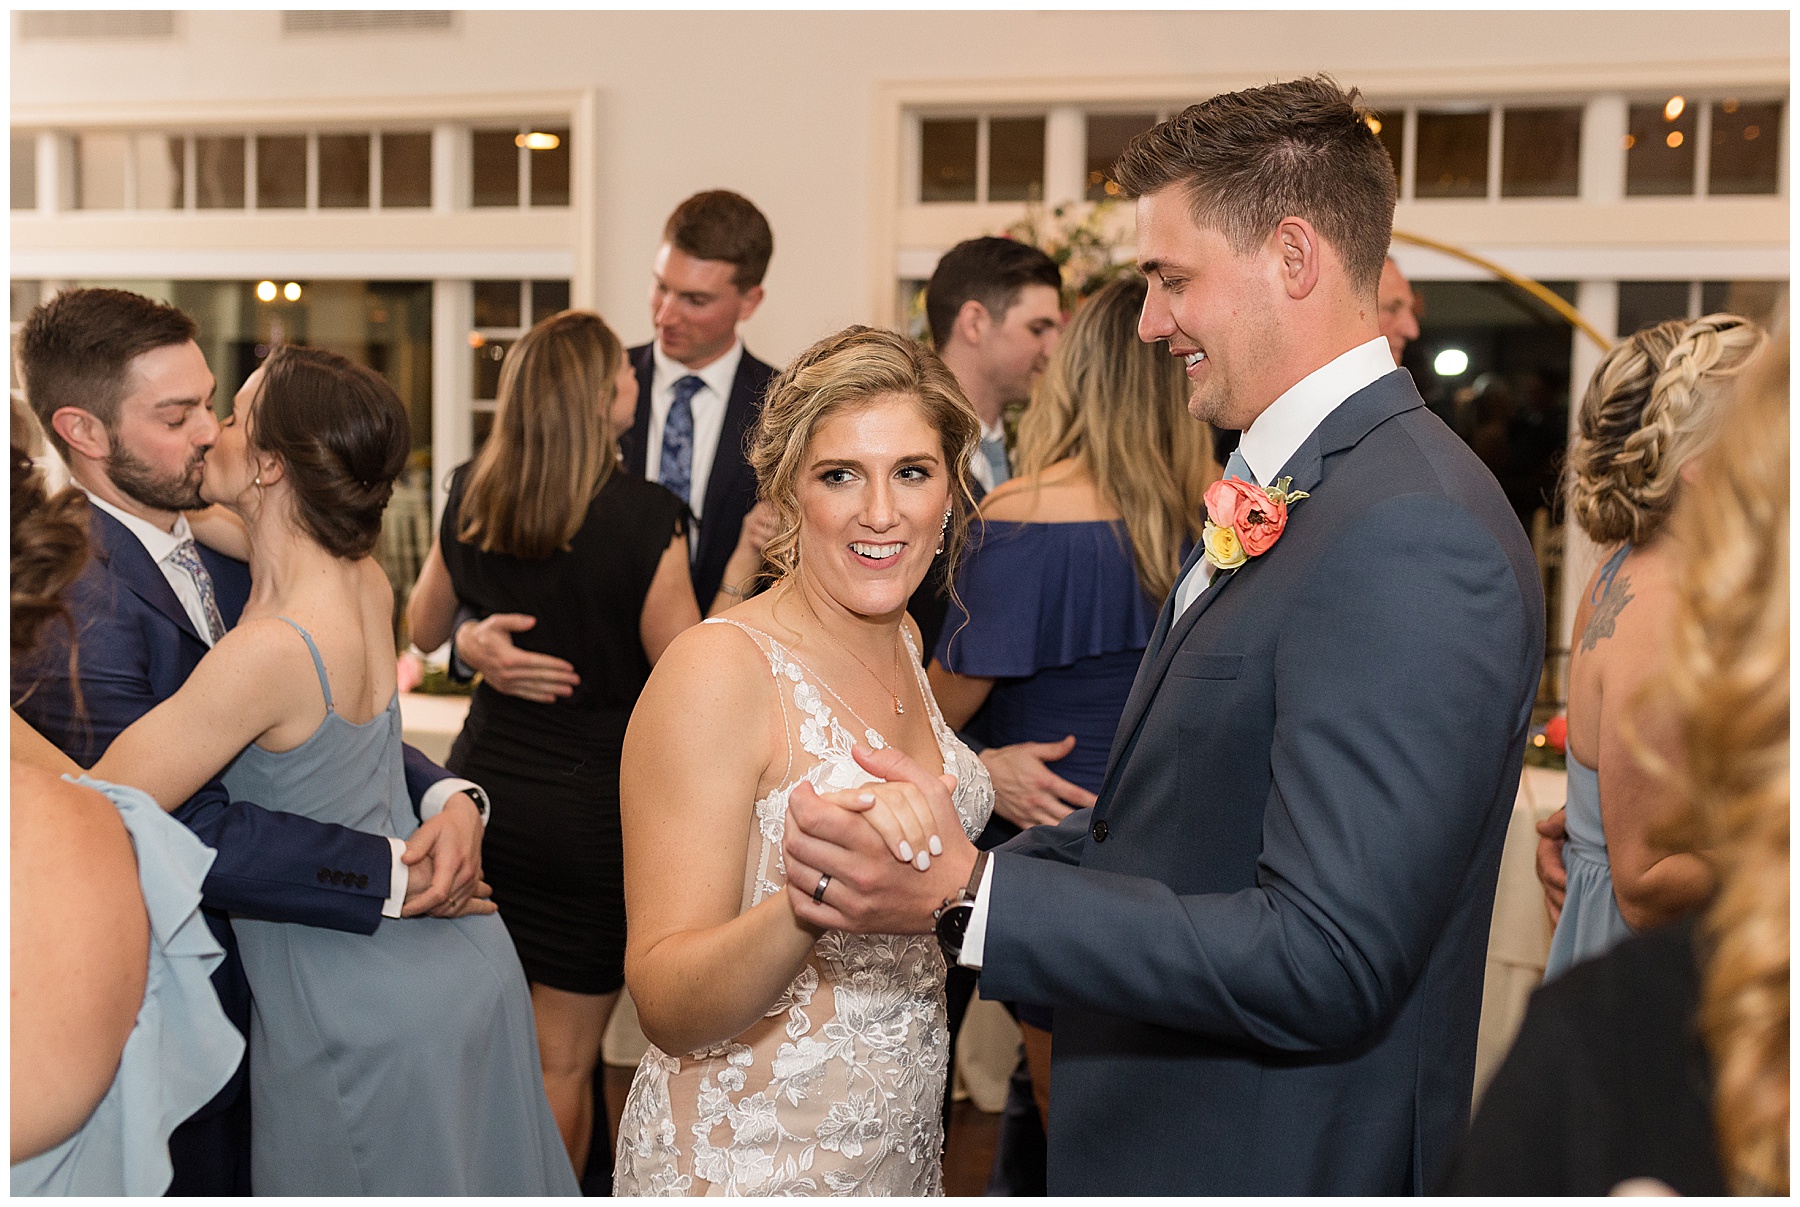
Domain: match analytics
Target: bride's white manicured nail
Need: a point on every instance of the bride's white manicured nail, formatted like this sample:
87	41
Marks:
936	847
905	851
923	861
867	798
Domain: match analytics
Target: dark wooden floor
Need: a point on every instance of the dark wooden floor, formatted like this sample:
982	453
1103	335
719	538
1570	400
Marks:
968	1150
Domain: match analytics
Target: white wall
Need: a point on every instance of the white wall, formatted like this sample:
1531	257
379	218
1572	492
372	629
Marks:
784	106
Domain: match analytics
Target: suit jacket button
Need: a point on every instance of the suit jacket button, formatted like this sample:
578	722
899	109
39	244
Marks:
324	875
362	880
337	878
1100	831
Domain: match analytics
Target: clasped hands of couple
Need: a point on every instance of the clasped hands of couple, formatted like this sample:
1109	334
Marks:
443	865
879	858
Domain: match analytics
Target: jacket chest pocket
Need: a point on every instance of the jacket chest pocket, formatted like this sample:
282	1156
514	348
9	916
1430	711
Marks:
1197	664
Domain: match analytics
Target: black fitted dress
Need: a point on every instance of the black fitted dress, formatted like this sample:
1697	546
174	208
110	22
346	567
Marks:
552	849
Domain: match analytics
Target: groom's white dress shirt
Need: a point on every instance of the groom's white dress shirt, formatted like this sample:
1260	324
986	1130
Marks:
161	547
1271	440
708	404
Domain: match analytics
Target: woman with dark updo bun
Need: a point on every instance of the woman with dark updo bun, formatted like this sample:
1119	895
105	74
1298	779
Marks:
404	1062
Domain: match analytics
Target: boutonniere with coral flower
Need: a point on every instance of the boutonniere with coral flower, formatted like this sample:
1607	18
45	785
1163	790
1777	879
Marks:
1243	520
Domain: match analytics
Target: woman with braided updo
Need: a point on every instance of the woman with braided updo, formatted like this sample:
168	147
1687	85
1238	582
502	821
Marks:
1648	414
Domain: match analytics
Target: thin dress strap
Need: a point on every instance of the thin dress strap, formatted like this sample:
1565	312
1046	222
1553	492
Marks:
318	662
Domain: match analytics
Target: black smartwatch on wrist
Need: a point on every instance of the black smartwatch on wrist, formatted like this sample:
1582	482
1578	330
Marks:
951	919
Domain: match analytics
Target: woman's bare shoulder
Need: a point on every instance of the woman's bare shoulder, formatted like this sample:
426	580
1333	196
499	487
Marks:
1057	494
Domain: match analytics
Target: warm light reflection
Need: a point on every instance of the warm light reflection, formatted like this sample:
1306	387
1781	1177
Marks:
265	290
1630	141
1730	105
1750	132
476	339
537	140
1674	140
1374	124
291	291
1674	108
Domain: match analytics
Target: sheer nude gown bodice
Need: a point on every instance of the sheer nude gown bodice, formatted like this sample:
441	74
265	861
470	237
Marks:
839	1089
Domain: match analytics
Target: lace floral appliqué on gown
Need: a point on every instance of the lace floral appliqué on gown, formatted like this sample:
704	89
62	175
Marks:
839	1090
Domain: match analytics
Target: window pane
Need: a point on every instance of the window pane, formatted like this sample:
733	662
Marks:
487	367
481	425
24	171
1540	153
219	173
548	298
494	168
1390	128
343	171
947	160
405	170
161	168
1755	300
1016	159
550	169
1107	135
497	305
281	172
1452	155
1659	150
1647	303
99	171
1746	148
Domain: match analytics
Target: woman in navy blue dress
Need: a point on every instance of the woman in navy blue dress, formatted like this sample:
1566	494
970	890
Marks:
1058	594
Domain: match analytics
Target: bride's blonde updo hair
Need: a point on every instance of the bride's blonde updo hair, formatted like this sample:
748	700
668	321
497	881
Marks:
1648	411
841	372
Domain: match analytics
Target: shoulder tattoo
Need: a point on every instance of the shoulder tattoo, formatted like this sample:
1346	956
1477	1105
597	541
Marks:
1611	593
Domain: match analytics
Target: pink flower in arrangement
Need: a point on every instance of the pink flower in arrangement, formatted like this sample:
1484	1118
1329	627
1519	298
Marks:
1254	516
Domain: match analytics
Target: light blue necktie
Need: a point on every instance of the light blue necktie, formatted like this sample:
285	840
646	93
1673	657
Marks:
187	557
995	452
1237	467
677	466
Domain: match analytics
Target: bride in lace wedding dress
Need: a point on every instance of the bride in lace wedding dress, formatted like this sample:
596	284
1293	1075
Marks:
786	1060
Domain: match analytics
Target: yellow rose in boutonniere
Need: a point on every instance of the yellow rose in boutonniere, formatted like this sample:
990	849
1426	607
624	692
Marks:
1223	549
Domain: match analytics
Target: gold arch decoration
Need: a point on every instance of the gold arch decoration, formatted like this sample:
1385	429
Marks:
1568	312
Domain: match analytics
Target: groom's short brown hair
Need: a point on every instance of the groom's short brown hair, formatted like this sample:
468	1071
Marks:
1248	159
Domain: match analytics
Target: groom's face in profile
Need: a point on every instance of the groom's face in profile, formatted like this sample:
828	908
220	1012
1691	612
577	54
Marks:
1213	306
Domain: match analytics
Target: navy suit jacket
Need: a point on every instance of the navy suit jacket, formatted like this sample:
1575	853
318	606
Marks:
135	647
730	490
1265	943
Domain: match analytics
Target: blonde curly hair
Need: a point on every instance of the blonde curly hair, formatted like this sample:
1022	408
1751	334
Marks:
1647	412
842	371
1728	680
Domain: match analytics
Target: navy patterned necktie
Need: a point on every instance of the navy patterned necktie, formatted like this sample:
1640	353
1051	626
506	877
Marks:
677	467
187	557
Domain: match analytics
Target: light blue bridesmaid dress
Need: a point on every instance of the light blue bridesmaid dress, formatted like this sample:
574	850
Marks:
1591	924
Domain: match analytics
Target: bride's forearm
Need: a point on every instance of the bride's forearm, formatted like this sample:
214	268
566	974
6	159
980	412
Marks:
697	988
222	530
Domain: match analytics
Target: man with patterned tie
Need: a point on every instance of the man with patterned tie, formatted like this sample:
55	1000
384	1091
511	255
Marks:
123	394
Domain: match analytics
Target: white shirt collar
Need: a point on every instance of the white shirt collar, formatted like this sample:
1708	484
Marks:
996	432
1277	434
718	376
157	543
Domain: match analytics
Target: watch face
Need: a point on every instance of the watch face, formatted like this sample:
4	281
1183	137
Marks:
953	923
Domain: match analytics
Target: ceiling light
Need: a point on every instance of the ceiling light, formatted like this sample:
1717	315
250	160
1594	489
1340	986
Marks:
1674	108
1451	362
291	291
265	290
1674	140
537	140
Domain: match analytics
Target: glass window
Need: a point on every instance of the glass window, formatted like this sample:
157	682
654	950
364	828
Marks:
481	426
219	173
497	304
405	171
1746	148
1390	128
494	167
1756	300
161	165
281	172
24	171
488	355
1659	150
99	171
343	171
1016	159
548	298
1540	153
947	160
1647	303
1107	134
1452	155
550	168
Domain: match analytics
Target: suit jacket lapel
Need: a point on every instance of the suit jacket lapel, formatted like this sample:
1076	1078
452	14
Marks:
636	441
130	562
728	458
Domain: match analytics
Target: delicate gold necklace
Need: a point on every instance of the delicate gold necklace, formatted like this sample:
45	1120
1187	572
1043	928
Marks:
899	708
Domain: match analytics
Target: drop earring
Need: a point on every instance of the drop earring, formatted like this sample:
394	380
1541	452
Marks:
943	532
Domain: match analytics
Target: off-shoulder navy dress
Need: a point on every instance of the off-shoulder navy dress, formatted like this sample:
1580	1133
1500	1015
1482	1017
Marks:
1054	615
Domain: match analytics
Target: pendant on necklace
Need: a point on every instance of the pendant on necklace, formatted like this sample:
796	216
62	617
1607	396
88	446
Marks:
899	708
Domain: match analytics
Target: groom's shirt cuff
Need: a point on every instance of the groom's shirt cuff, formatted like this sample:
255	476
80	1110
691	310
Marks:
975	938
397	882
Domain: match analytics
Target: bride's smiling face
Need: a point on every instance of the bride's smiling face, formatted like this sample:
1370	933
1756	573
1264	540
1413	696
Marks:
873	490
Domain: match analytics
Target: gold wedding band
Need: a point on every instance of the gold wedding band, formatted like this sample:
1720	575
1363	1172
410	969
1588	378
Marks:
819	893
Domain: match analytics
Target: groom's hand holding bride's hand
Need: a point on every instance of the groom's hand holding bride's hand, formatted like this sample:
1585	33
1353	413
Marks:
443	860
874	842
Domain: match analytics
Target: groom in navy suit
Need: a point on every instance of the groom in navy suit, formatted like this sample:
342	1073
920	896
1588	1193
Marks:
123	393
1265	943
